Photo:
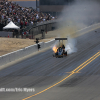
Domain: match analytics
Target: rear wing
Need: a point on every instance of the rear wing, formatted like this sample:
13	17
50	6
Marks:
60	38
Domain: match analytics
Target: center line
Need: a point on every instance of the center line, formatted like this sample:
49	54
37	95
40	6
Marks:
72	72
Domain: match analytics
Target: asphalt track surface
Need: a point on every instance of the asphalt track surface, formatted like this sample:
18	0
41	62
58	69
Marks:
75	77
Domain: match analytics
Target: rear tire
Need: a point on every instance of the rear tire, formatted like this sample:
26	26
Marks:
65	53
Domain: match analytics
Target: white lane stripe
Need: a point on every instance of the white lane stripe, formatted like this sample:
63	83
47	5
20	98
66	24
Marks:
88	27
50	41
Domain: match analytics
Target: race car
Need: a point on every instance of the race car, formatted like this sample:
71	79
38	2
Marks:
60	51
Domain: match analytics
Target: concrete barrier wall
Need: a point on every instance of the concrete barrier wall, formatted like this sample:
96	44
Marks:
5	34
50	43
86	29
23	52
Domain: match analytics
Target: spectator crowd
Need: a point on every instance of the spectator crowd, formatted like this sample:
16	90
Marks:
21	16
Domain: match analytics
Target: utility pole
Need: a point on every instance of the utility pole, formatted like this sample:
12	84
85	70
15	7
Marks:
36	5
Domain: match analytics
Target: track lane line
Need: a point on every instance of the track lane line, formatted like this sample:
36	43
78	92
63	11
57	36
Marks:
86	62
73	72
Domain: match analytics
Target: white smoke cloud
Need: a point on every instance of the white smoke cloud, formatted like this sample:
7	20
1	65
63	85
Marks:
70	46
74	17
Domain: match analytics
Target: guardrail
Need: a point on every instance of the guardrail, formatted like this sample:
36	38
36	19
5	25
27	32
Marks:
7	58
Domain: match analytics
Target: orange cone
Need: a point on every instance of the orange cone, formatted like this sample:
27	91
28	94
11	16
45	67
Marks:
8	35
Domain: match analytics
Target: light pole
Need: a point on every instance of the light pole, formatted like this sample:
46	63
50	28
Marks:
36	5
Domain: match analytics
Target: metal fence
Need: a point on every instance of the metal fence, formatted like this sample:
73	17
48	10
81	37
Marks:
39	28
35	29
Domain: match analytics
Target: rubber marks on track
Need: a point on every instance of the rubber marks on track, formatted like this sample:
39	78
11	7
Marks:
76	70
85	63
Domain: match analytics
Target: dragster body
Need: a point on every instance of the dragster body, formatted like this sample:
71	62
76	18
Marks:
60	51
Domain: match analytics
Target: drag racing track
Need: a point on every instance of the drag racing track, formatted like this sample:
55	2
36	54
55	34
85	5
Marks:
75	77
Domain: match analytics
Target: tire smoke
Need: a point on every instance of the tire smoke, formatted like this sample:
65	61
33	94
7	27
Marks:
80	14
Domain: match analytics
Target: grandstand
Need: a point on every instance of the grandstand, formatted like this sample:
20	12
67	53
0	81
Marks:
21	16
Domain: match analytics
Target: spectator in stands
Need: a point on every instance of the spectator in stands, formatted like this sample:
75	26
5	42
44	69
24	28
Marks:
21	15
